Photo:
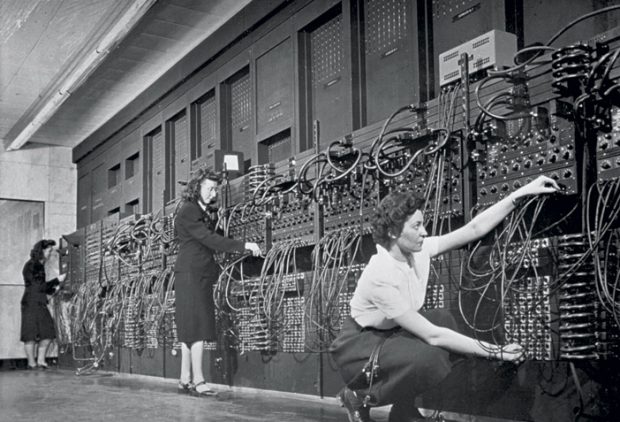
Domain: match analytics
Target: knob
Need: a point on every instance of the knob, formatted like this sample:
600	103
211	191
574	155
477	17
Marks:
516	167
606	165
504	187
493	189
516	184
567	174
527	164
604	145
553	158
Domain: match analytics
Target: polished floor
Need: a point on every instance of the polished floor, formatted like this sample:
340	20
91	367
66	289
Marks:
60	395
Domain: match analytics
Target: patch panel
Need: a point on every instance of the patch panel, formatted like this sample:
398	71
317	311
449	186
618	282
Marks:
513	158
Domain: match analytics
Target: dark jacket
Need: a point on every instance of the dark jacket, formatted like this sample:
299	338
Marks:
198	241
37	288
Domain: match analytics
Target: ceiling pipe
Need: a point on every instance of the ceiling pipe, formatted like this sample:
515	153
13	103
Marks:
83	70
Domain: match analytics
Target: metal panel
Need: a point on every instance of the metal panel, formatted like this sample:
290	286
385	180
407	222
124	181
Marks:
301	371
113	194
131	160
98	190
208	126
275	148
132	207
158	169
181	152
241	114
132	187
330	95
542	19
151	363
467	18
391	56
83	200
274	89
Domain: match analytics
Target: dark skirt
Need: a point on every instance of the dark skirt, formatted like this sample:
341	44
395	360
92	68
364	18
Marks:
407	365
195	311
37	322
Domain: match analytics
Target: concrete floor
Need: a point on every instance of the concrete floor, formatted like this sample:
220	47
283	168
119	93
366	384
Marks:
60	395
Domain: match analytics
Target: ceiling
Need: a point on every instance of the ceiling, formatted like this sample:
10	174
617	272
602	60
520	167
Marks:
68	66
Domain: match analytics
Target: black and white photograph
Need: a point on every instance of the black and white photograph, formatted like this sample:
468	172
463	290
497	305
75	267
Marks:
310	210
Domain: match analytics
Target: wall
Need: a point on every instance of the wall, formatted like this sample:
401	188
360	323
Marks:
34	173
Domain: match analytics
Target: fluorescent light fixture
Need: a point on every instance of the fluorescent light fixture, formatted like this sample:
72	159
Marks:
83	70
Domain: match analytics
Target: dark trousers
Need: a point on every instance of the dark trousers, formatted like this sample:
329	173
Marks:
408	365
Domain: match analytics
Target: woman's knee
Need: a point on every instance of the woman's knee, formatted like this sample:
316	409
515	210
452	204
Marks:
430	366
418	359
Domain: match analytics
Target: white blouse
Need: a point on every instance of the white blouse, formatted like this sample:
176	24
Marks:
388	288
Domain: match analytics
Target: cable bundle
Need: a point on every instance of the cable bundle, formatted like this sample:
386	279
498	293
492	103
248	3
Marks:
328	294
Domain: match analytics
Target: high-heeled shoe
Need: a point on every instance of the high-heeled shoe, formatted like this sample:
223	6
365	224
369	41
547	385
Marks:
354	405
42	366
185	388
204	391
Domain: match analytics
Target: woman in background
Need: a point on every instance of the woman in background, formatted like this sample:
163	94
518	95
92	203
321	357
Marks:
37	323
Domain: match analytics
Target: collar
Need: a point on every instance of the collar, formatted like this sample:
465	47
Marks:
382	252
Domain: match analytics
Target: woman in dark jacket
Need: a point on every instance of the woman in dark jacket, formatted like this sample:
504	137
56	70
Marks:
37	323
195	274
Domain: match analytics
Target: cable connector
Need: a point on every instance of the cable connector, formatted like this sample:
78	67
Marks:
346	141
415	107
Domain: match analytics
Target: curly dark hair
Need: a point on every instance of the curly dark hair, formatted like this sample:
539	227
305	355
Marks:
192	190
36	253
391	214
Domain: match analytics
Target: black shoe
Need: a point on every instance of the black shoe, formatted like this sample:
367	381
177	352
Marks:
206	392
405	412
185	388
356	411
